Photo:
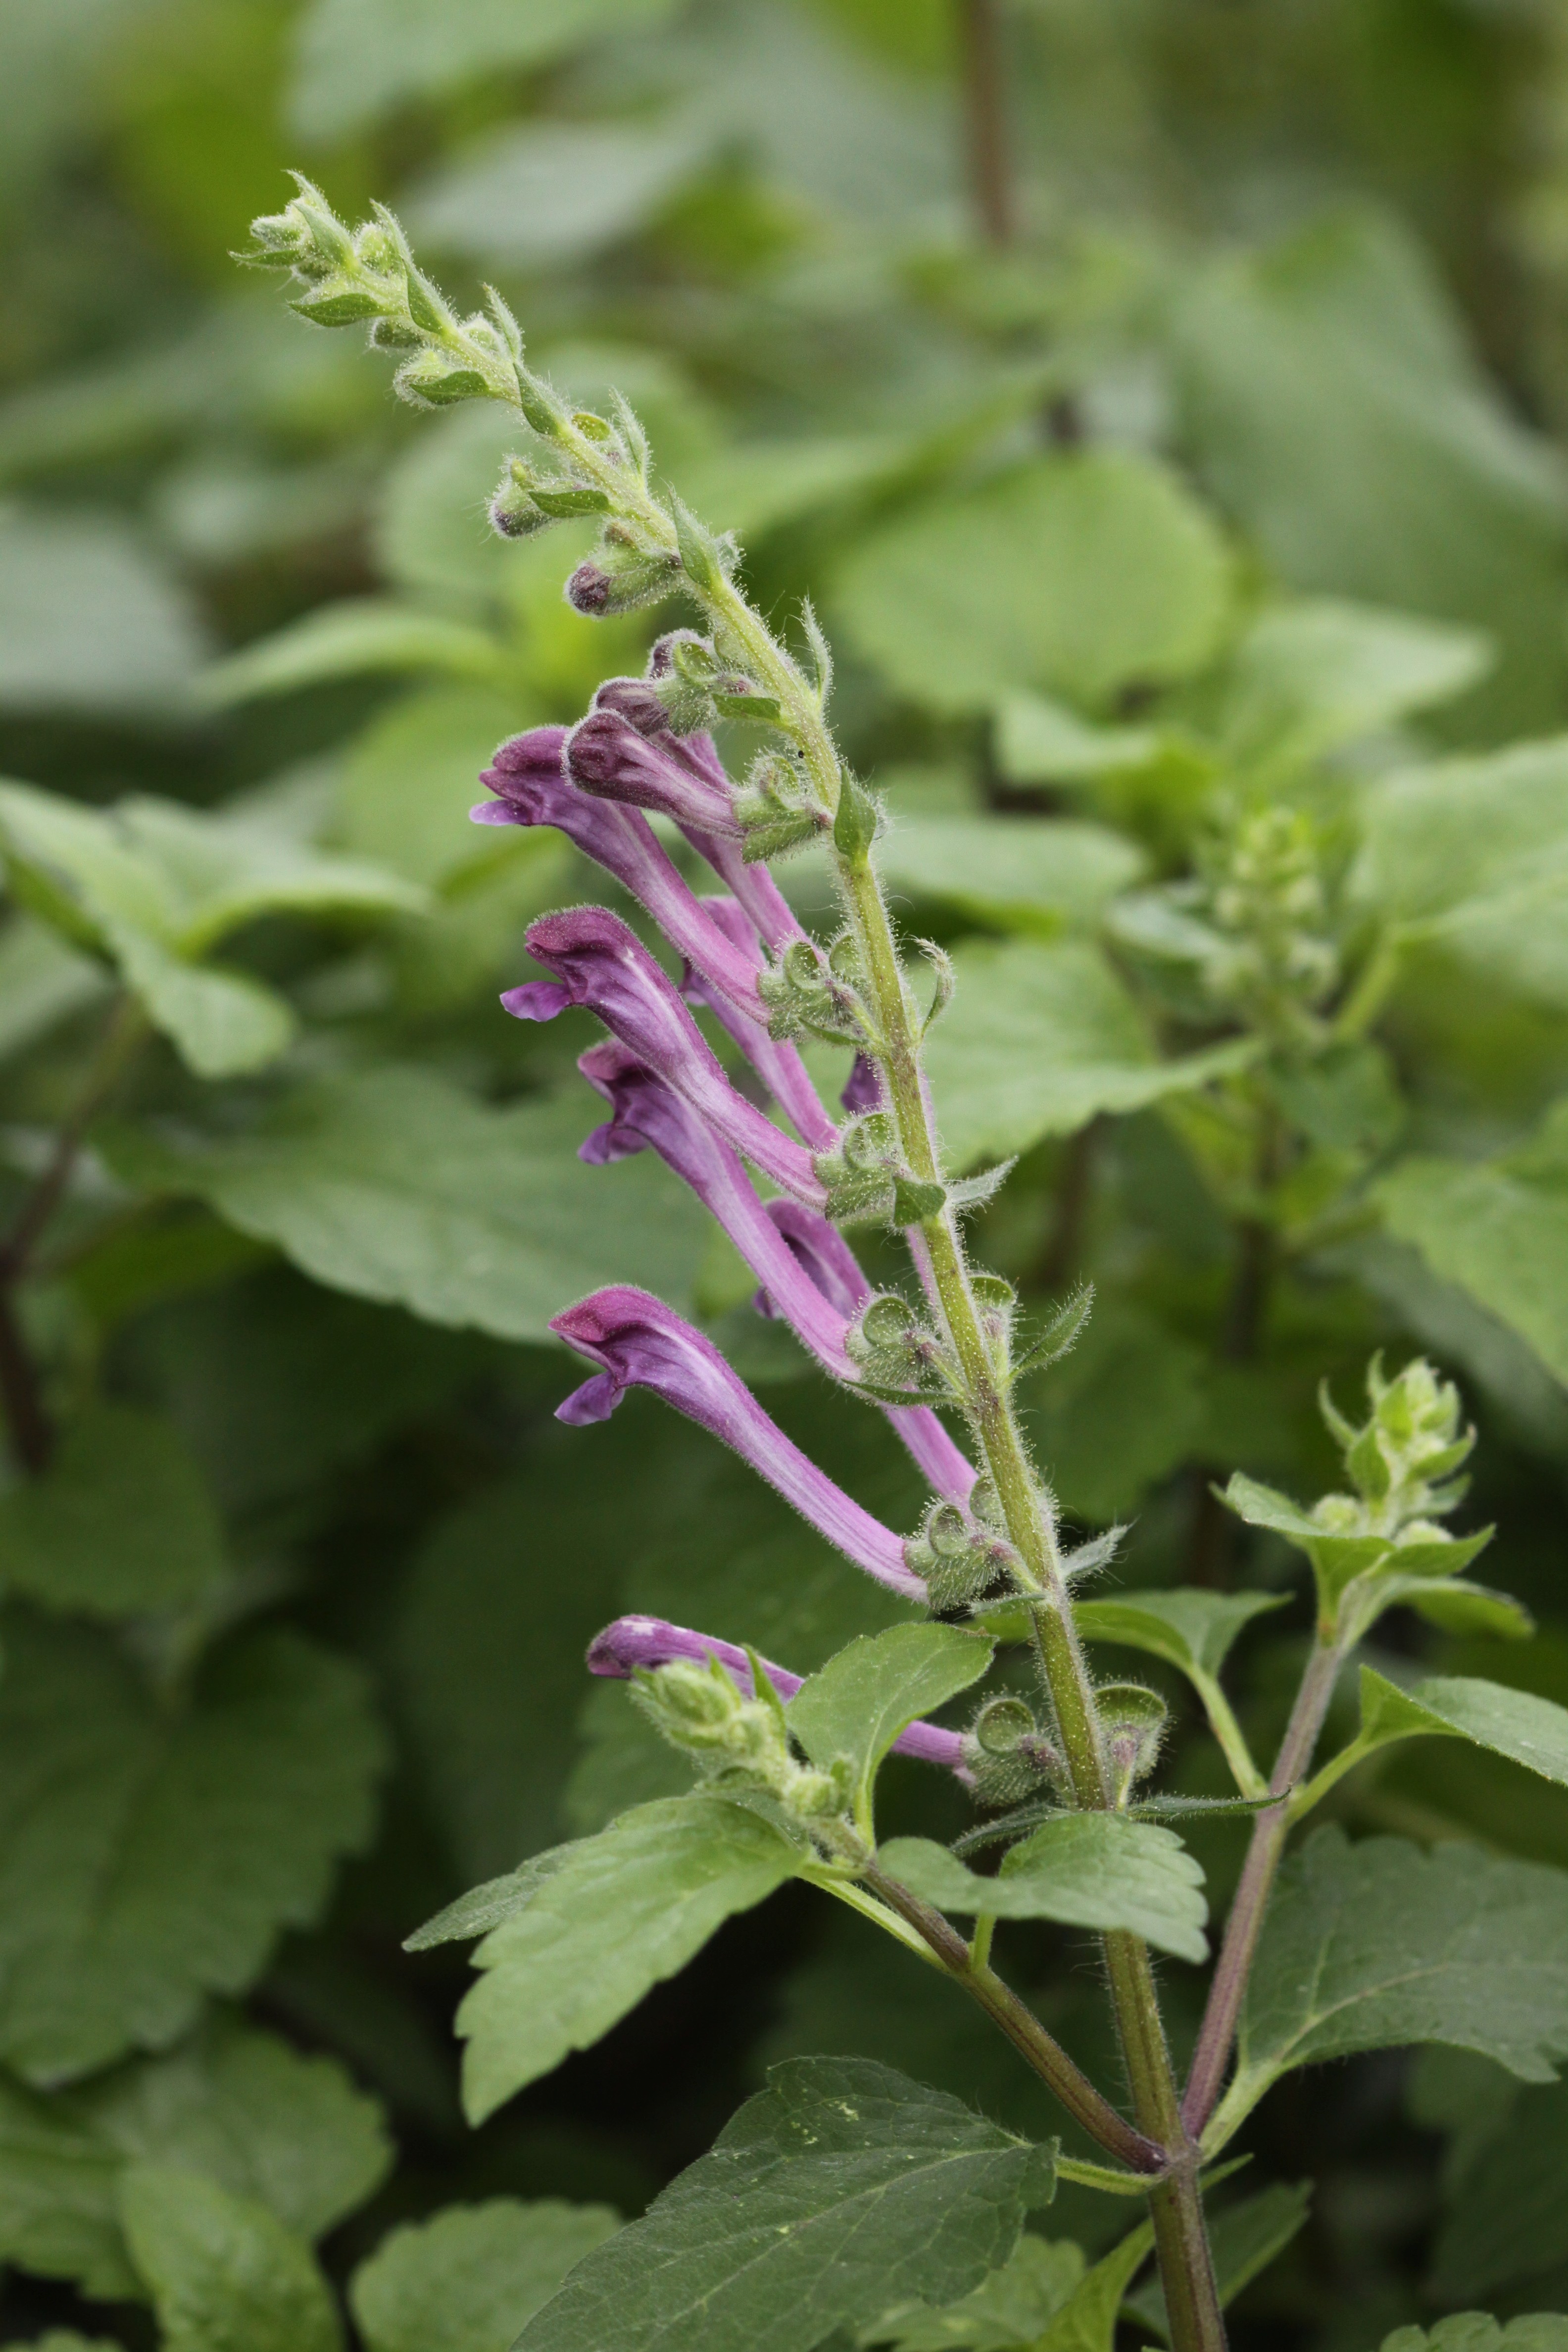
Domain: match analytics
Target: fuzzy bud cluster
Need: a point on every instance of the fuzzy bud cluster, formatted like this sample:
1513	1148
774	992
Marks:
894	1349
1133	1721
1401	1459
744	1741
867	1179
810	991
1007	1755
1265	900
963	1556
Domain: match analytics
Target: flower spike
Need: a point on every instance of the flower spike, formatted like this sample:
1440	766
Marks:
639	1644
533	788
639	1342
602	965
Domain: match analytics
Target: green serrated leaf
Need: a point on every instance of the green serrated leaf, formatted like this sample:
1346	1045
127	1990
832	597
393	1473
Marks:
223	2272
1010	2308
1191	1629
150	1849
1476	2331
398	1185
1075	572
1021	874
121	1523
235	2104
1528	1729
1372	1946
842	2189
369	637
1040	1036
856	1704
615	1913
1087	1870
472	2277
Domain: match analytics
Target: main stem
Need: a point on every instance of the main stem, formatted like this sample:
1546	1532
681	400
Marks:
1180	2239
1246	1922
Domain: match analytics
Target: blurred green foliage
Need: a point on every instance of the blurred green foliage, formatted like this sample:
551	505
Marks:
1232	481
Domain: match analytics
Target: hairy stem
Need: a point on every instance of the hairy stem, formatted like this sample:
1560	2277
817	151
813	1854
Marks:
1086	2105
1180	2236
1246	1922
1028	1510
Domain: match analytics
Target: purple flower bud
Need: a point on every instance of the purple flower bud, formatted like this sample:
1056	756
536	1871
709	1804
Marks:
589	590
639	1644
528	774
635	700
778	1064
827	1259
642	1343
606	756
648	1112
602	966
864	1089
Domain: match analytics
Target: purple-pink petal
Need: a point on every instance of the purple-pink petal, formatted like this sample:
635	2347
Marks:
823	1254
639	1342
640	1644
527	775
609	758
777	1063
646	1112
602	966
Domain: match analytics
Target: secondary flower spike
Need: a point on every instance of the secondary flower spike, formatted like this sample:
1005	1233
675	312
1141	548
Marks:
533	789
634	1644
602	966
642	1343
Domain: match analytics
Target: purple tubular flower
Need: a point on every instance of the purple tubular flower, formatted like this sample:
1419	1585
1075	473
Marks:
752	884
609	757
863	1090
823	1254
527	775
639	1342
778	1064
648	1112
634	1644
602	965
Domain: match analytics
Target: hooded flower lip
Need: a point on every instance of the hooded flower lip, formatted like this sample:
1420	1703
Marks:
778	1064
602	966
807	1272
634	1644
610	758
640	1342
646	1112
528	776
